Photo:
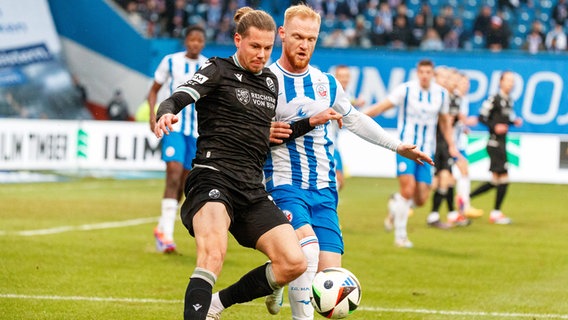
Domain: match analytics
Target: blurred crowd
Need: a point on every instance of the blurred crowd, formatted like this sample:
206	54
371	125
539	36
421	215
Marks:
532	25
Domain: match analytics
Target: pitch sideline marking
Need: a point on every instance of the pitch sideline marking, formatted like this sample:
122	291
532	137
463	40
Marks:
84	227
366	309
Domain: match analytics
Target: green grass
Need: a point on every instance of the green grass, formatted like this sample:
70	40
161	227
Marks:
479	272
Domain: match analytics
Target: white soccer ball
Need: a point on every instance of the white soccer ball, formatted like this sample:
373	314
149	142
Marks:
336	293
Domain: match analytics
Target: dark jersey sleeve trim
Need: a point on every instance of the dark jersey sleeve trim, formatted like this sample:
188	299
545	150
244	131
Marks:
299	128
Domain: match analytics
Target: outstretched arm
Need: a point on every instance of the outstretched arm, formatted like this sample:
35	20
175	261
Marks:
366	128
378	108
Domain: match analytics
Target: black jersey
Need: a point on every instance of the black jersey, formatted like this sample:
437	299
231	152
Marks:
234	111
497	109
455	102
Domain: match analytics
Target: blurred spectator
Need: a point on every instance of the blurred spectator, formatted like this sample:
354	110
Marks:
452	40
533	43
497	38
402	11
177	18
386	17
432	41
555	39
464	35
134	17
442	27
361	37
418	30
400	36
336	39
225	33
560	12
117	108
426	11
379	35
482	22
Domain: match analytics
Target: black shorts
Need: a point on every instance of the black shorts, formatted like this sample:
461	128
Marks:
442	159
498	158
252	211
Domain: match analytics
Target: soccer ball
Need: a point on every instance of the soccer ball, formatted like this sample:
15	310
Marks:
336	293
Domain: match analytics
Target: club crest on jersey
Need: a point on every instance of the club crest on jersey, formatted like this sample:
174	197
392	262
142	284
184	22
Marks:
270	84
288	214
243	95
321	90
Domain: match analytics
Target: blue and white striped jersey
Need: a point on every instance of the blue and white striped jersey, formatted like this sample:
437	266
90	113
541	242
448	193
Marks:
418	111
174	70
306	162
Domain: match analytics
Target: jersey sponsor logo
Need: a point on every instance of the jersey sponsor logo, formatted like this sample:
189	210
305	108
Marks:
322	90
214	194
239	76
270	84
243	95
199	78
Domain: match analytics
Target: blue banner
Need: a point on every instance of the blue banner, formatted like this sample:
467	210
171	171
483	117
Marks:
540	98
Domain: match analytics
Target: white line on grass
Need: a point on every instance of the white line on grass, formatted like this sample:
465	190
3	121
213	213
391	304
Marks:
84	227
362	308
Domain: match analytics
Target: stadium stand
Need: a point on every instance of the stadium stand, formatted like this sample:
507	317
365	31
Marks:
362	23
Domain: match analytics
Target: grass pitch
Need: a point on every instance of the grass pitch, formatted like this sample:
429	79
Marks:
84	249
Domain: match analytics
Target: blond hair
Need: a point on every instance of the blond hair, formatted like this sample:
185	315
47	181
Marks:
302	11
247	17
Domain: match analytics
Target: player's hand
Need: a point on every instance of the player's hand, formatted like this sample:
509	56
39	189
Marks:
279	131
471	121
411	152
518	122
324	116
501	128
165	124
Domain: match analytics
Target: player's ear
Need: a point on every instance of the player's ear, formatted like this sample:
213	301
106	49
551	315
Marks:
237	38
281	32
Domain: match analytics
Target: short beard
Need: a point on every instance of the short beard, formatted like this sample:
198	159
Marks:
296	63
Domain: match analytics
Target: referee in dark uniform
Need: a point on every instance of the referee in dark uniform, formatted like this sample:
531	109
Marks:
497	114
235	99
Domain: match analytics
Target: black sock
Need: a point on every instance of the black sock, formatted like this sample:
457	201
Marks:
501	192
197	299
251	286
482	189
437	200
450	199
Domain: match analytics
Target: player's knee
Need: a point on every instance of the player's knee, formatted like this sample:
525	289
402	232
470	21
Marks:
293	268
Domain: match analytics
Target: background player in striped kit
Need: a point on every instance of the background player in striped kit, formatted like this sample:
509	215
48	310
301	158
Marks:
178	148
423	105
300	174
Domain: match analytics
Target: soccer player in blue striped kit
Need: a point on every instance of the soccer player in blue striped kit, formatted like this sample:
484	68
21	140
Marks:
178	147
300	174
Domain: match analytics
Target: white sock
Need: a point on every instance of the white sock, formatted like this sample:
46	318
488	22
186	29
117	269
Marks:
401	207
300	288
168	217
216	305
464	189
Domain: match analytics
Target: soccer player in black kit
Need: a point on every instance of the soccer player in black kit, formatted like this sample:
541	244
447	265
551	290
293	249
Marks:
235	99
497	114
